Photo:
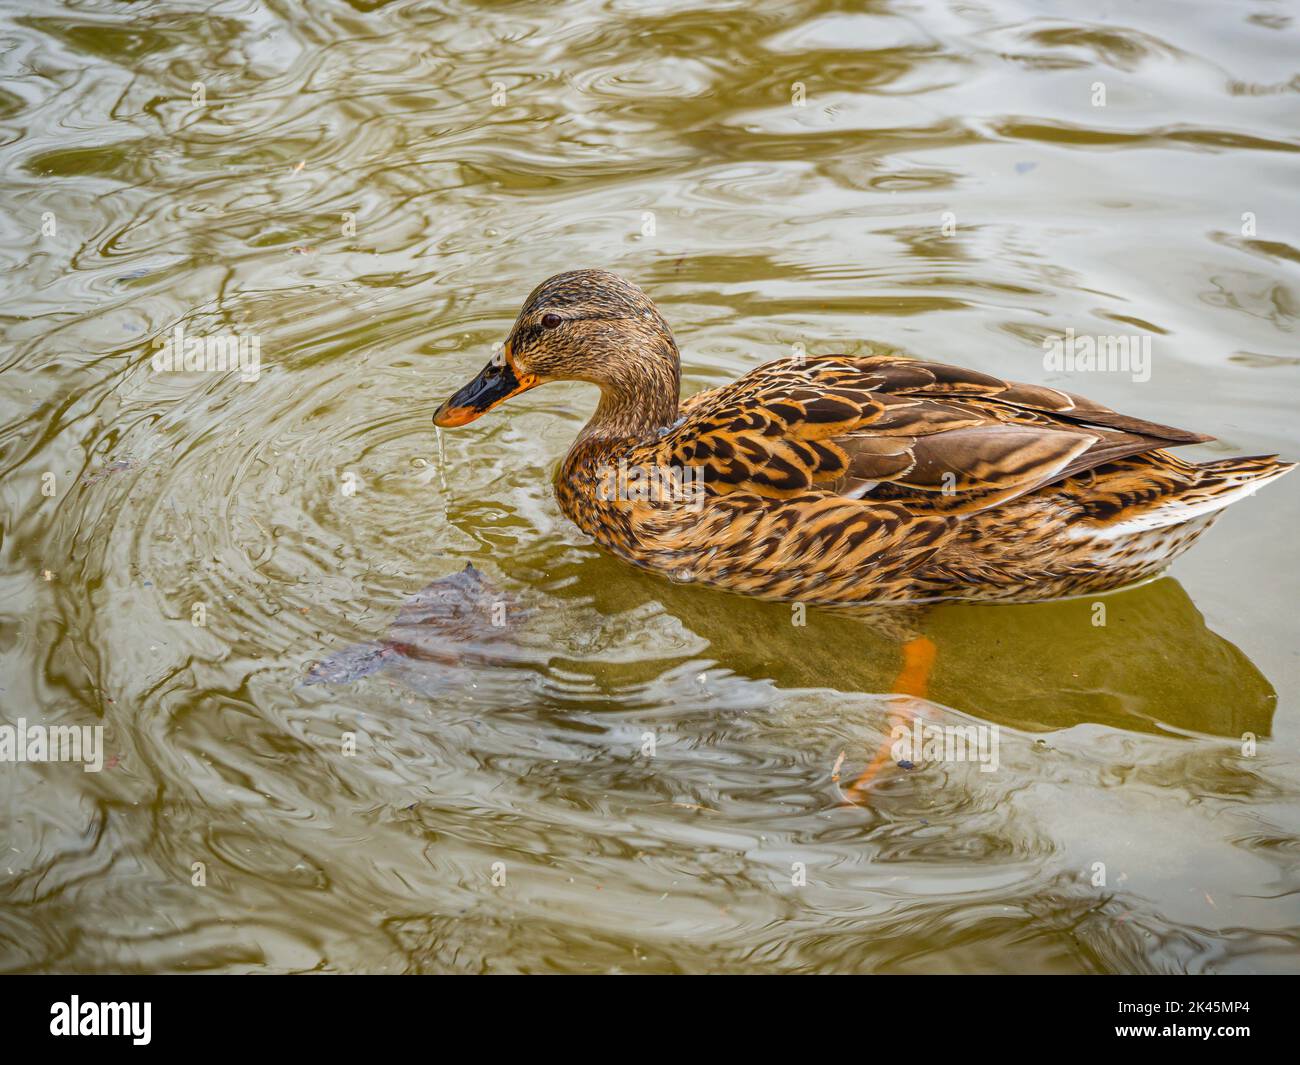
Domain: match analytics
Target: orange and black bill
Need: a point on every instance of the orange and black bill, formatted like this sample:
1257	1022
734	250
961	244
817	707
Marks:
495	384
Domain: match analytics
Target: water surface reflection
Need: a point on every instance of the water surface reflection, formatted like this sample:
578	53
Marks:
371	189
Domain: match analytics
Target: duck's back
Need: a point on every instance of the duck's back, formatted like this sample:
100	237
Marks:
847	479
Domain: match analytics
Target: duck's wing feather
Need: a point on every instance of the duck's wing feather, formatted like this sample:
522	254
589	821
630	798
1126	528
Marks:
938	439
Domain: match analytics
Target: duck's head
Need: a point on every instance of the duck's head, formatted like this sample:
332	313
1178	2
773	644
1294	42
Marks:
584	325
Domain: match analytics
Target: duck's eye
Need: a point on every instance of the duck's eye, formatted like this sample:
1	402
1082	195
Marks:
550	321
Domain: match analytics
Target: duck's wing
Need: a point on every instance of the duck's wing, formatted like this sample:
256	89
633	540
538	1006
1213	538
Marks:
937	439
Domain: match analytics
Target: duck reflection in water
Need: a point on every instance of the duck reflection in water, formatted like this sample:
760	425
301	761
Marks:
1140	660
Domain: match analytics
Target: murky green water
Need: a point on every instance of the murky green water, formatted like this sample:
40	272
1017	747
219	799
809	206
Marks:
371	190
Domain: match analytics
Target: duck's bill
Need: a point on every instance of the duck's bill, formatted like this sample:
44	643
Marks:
492	387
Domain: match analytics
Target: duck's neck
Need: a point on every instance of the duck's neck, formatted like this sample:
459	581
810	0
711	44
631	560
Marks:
634	407
628	413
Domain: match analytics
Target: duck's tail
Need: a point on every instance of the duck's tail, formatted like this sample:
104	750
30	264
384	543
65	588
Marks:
1218	484
1187	491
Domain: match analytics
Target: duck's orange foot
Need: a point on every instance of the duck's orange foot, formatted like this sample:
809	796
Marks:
918	660
914	680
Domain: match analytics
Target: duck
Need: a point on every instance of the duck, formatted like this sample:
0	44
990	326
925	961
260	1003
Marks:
850	481
838	480
872	484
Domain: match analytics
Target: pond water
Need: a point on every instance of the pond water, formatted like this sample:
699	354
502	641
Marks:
625	775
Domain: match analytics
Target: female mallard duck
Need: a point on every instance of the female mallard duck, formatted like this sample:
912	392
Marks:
846	480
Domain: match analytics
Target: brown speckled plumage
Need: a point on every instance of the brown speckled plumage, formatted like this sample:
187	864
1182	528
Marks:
846	479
